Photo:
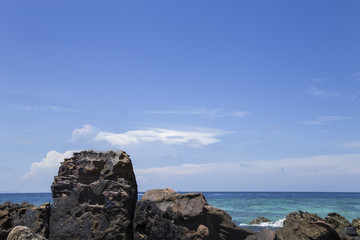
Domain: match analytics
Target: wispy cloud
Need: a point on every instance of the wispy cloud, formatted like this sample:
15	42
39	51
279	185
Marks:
357	74
163	136
40	107
327	94
23	141
326	119
352	145
209	113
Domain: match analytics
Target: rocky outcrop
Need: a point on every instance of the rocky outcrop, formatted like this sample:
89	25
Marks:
337	221
94	197
167	215
356	224
309	226
23	233
25	214
260	220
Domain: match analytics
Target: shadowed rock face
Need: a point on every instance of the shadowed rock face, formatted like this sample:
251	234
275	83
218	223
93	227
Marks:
94	197
165	214
25	214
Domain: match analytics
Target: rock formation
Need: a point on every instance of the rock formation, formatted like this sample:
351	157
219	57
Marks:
260	220
167	215
23	233
94	197
25	214
306	226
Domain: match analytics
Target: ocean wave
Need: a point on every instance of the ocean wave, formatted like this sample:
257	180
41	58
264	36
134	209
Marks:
276	224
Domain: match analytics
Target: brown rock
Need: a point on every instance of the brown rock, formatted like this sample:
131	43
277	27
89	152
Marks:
94	197
337	221
167	215
23	233
24	214
260	220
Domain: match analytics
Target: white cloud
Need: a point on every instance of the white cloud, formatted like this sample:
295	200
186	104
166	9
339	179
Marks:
209	113
48	165
80	133
326	119
158	135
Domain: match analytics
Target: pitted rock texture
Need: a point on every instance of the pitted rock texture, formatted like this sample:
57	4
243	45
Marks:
167	215
94	197
25	214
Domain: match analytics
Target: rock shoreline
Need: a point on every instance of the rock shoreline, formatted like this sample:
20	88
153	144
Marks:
95	197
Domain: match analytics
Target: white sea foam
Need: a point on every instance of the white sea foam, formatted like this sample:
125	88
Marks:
276	224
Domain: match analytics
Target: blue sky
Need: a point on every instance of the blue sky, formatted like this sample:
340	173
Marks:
204	95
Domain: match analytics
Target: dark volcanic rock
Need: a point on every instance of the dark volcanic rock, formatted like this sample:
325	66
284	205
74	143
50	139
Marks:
167	215
24	214
23	233
94	197
339	222
356	224
260	220
304	215
307	226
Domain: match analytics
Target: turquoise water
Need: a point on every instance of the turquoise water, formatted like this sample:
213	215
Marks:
245	206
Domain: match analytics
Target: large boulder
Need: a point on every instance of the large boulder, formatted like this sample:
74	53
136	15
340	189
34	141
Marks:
24	214
23	233
94	197
167	215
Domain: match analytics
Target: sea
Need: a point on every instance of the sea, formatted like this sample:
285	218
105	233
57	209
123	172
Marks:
243	207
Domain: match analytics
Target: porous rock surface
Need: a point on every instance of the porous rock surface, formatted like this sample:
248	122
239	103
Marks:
25	214
23	233
94	197
167	215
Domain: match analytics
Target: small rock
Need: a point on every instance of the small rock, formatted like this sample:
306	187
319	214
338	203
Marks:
260	220
23	233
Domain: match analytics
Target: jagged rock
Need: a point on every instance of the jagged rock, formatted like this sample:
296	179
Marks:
94	197
356	224
167	215
23	233
260	220
304	215
308	226
24	214
338	221
301	229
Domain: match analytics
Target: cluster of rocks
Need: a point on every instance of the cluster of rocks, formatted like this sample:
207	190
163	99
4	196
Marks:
304	226
95	197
